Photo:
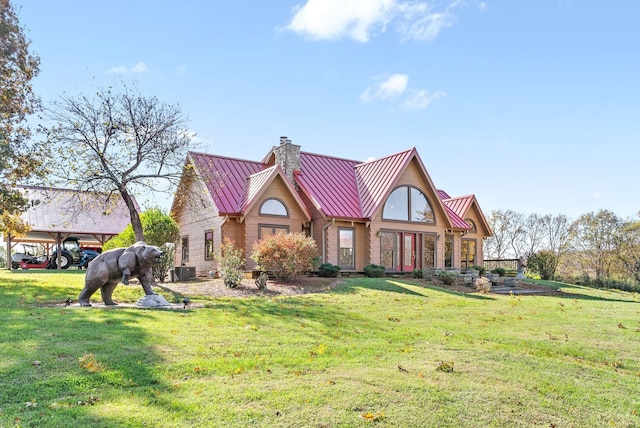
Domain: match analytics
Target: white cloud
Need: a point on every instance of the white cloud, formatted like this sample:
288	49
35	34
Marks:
335	19
387	87
360	19
419	99
139	68
396	87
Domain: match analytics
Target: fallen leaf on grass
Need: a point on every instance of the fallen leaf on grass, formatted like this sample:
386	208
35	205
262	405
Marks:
372	417
445	366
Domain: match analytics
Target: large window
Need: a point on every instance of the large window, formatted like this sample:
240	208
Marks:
274	207
208	244
387	246
185	248
265	230
346	256
448	251
468	256
407	203
429	251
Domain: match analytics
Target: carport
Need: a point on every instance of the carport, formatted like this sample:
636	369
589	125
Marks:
57	214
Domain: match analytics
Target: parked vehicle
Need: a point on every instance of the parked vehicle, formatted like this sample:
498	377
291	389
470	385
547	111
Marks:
72	255
26	253
29	256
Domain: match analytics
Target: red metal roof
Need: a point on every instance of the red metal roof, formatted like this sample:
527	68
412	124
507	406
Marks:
460	207
225	179
375	179
331	184
338	188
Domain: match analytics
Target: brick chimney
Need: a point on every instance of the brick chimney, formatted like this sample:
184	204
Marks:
288	157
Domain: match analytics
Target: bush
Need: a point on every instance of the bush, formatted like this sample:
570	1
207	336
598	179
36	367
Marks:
417	273
480	269
499	271
448	278
158	228
286	255
160	269
374	271
231	264
328	270
543	263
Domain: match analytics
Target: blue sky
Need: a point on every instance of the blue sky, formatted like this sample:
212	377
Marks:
532	106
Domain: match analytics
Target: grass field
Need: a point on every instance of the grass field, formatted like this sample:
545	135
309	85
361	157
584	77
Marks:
370	352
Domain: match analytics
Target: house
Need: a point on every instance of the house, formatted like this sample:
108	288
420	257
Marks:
386	211
55	214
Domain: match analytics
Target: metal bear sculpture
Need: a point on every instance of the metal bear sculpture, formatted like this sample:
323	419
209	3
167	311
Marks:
120	265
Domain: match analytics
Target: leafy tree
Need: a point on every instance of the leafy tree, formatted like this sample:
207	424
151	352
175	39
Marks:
286	255
117	142
627	241
593	236
158	229
18	159
544	263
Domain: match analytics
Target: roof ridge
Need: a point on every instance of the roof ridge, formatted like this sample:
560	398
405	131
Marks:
329	157
224	157
386	157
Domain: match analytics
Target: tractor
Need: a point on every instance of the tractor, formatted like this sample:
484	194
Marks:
72	255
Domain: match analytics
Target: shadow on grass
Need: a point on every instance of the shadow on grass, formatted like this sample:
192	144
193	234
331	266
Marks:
43	379
398	286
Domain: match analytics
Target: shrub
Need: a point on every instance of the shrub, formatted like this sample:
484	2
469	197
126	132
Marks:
286	255
374	271
499	271
328	270
158	228
448	278
231	264
417	273
483	285
543	263
480	269
160	269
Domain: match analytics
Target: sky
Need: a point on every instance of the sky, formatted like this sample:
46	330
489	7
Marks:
533	106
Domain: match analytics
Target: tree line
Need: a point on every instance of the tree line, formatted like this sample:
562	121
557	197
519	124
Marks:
598	248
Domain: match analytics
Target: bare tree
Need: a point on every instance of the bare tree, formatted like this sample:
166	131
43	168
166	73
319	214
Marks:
508	232
116	141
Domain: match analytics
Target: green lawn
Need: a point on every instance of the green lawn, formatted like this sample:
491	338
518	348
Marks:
372	352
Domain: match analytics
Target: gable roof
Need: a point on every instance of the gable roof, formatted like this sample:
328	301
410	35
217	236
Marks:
225	178
68	211
235	184
338	188
461	205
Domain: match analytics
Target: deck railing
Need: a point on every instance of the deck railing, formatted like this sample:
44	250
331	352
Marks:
492	264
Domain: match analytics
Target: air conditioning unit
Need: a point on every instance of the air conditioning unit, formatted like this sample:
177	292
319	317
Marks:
185	273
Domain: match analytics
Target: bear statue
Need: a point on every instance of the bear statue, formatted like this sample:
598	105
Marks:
119	265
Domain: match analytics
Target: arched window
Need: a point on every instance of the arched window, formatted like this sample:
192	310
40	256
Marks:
407	203
472	225
274	207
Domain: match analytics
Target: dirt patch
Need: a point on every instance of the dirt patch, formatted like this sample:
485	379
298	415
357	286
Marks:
215	287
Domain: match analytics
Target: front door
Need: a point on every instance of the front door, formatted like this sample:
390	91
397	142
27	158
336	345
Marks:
408	252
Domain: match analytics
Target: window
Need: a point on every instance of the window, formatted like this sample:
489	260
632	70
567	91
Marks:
387	245
448	251
346	248
468	255
208	244
408	203
265	230
429	251
273	207
185	248
472	225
